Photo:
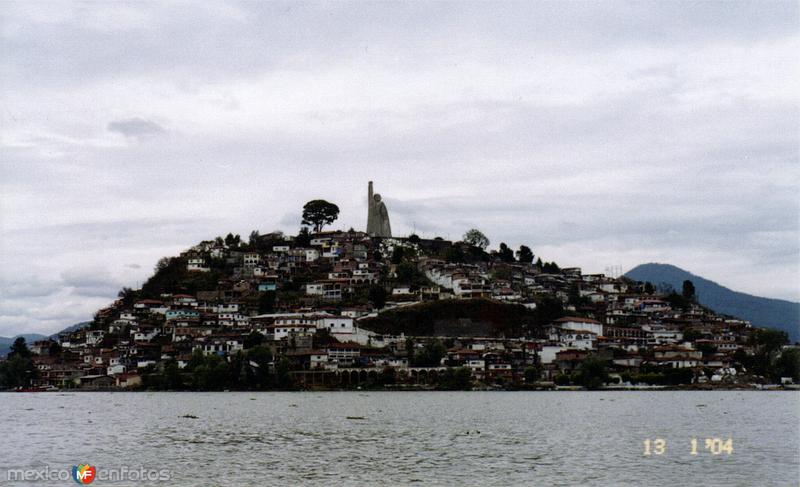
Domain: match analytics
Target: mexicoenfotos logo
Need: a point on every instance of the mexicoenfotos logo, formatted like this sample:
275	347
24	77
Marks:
84	474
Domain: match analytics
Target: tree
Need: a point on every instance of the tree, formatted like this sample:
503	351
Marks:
476	238
770	340
405	273
254	236
524	254
127	295
691	335
648	288
688	290
456	379
377	296
397	254
266	302
303	238
253	340
18	369
163	263
675	300
788	365
505	253
454	254
414	238
19	349
550	268
431	354
592	373
532	374
319	213
232	240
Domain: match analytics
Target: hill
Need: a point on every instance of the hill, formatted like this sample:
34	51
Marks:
762	312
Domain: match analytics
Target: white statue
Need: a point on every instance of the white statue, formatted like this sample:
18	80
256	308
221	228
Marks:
377	216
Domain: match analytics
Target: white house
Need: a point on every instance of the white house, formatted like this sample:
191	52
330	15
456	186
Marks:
197	264
580	324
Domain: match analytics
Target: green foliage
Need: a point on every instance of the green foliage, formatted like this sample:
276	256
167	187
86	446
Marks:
676	376
283	380
532	374
319	213
788	365
769	340
19	348
456	379
431	354
562	380
476	238
550	268
691	335
377	296
648	288
677	301
592	373
174	278
525	254
688	291
405	273
266	302
505	254
253	340
128	296
707	349
575	298
414	238
233	241
303	238
454	255
397	255
17	371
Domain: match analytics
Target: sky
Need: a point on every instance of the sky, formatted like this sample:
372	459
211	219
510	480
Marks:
599	134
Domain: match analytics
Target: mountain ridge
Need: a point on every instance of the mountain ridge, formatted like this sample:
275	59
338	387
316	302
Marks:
764	312
6	342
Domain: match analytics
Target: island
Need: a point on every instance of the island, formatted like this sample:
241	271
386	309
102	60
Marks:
339	309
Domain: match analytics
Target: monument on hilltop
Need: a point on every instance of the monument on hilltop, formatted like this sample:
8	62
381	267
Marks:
377	216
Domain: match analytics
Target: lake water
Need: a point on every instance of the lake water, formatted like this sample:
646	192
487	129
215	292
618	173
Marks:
428	438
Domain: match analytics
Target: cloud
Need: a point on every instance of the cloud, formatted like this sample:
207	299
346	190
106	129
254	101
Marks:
136	127
599	135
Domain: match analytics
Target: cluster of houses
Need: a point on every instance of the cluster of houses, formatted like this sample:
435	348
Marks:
321	286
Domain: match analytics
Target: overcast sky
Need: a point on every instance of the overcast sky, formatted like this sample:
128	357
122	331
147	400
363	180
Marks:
599	134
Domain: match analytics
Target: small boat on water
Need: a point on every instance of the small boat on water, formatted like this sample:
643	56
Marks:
38	389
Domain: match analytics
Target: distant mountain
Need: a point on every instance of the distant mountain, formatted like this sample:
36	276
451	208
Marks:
6	342
763	312
70	329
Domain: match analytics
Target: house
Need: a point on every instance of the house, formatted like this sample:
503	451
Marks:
344	354
97	382
126	381
197	264
580	324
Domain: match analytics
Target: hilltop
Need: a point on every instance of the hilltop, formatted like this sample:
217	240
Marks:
763	312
